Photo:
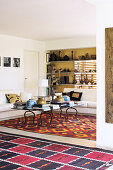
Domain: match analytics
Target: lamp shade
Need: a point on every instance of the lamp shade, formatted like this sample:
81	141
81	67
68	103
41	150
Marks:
43	83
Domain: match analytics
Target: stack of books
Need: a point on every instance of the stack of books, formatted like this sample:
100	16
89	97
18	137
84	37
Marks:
55	106
45	107
20	105
70	103
41	105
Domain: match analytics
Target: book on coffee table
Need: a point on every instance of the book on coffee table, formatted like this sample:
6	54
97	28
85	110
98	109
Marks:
41	106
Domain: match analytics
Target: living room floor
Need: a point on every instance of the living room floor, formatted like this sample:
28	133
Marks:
68	140
76	141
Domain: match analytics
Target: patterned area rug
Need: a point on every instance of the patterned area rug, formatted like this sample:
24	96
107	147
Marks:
84	127
28	153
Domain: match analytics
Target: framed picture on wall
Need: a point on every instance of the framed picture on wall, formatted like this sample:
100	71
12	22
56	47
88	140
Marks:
7	62
16	62
0	60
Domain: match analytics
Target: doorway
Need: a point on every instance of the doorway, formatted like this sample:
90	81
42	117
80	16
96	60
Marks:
31	60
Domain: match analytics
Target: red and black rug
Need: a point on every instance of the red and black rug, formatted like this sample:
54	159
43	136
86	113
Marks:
28	153
84	128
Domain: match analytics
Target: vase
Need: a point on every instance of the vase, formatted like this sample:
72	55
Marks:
66	98
86	79
30	103
92	81
59	99
74	80
81	80
41	101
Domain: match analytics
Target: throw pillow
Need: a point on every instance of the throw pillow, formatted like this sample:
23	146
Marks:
75	95
12	98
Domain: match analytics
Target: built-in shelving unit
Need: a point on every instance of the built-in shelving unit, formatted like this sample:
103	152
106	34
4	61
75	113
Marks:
74	68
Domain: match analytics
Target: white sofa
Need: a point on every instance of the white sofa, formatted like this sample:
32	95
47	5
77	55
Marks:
88	100
6	109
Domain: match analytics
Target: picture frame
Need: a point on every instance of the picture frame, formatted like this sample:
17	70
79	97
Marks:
109	75
7	62
0	60
16	62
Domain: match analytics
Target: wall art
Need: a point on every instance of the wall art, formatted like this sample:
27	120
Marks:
7	62
0	60
109	75
16	62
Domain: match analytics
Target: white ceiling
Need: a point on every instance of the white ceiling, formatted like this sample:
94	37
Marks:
47	19
96	2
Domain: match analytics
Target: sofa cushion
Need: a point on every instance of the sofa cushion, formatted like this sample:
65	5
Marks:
4	107
91	104
12	98
3	99
76	96
25	96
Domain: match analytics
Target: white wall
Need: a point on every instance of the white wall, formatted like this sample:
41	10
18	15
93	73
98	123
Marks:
78	42
104	130
13	78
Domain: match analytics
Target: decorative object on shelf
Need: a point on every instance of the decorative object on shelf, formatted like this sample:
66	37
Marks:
59	76
76	71
93	57
87	56
81	80
41	100
78	66
72	55
82	57
59	57
92	81
74	80
59	99
66	58
53	57
42	83
64	79
30	103
86	80
53	69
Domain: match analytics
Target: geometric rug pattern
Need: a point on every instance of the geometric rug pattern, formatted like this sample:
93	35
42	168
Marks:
84	127
28	153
